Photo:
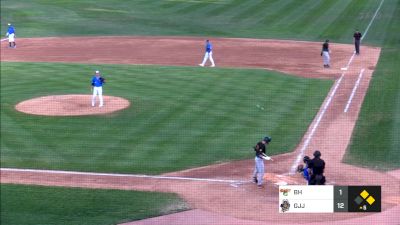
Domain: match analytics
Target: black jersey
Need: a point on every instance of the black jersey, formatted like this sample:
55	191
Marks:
259	148
317	166
357	36
325	47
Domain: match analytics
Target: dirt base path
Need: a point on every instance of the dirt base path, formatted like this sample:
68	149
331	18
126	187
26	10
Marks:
234	203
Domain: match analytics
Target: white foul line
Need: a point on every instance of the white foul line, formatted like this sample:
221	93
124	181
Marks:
354	91
308	139
120	175
372	20
4	39
350	61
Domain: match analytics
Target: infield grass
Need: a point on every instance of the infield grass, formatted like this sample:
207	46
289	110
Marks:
32	205
180	117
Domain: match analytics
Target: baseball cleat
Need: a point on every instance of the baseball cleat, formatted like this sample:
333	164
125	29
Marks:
255	180
201	65
212	65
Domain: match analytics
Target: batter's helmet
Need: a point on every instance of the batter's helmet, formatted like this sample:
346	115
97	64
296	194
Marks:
267	139
317	154
306	159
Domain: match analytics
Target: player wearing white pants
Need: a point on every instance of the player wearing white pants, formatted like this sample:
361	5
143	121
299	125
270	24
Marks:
11	36
326	58
97	91
97	85
208	55
325	53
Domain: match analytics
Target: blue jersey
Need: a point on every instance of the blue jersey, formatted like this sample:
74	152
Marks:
11	30
208	47
306	175
97	81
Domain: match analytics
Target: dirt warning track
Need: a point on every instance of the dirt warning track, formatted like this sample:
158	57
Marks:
223	203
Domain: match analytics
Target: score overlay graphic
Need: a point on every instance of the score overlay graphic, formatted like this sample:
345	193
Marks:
329	199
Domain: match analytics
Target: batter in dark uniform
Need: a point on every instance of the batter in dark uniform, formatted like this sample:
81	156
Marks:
258	173
357	39
317	166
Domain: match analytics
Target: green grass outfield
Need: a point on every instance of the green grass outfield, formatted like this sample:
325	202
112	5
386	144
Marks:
180	117
283	19
31	205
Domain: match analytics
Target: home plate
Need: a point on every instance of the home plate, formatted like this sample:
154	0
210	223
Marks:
343	68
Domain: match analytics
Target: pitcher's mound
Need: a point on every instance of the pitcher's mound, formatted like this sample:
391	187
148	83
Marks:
70	105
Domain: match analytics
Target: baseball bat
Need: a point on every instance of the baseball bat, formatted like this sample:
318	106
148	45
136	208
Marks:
4	39
264	156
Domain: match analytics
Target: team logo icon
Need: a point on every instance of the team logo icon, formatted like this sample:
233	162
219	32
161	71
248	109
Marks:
285	205
285	192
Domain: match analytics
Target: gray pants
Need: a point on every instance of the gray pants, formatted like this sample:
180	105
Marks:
326	58
259	170
357	45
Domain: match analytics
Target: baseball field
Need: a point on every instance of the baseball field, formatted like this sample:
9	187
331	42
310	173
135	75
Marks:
183	143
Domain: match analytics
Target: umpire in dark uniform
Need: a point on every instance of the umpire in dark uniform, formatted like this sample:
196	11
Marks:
357	39
317	166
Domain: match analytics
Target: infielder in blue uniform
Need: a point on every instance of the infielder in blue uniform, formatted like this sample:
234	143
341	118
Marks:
208	54
97	86
11	36
258	173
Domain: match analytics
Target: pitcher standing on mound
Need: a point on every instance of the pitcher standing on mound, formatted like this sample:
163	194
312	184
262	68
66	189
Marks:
97	86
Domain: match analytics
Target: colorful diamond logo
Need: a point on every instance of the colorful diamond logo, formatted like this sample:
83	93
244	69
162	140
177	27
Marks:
370	200
364	194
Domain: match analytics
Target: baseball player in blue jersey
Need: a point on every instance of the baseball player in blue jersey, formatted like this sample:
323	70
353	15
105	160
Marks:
208	54
304	170
11	36
97	86
260	150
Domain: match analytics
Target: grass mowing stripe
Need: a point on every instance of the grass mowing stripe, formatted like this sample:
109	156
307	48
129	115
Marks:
255	8
312	15
295	13
22	204
191	7
279	13
325	19
218	10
